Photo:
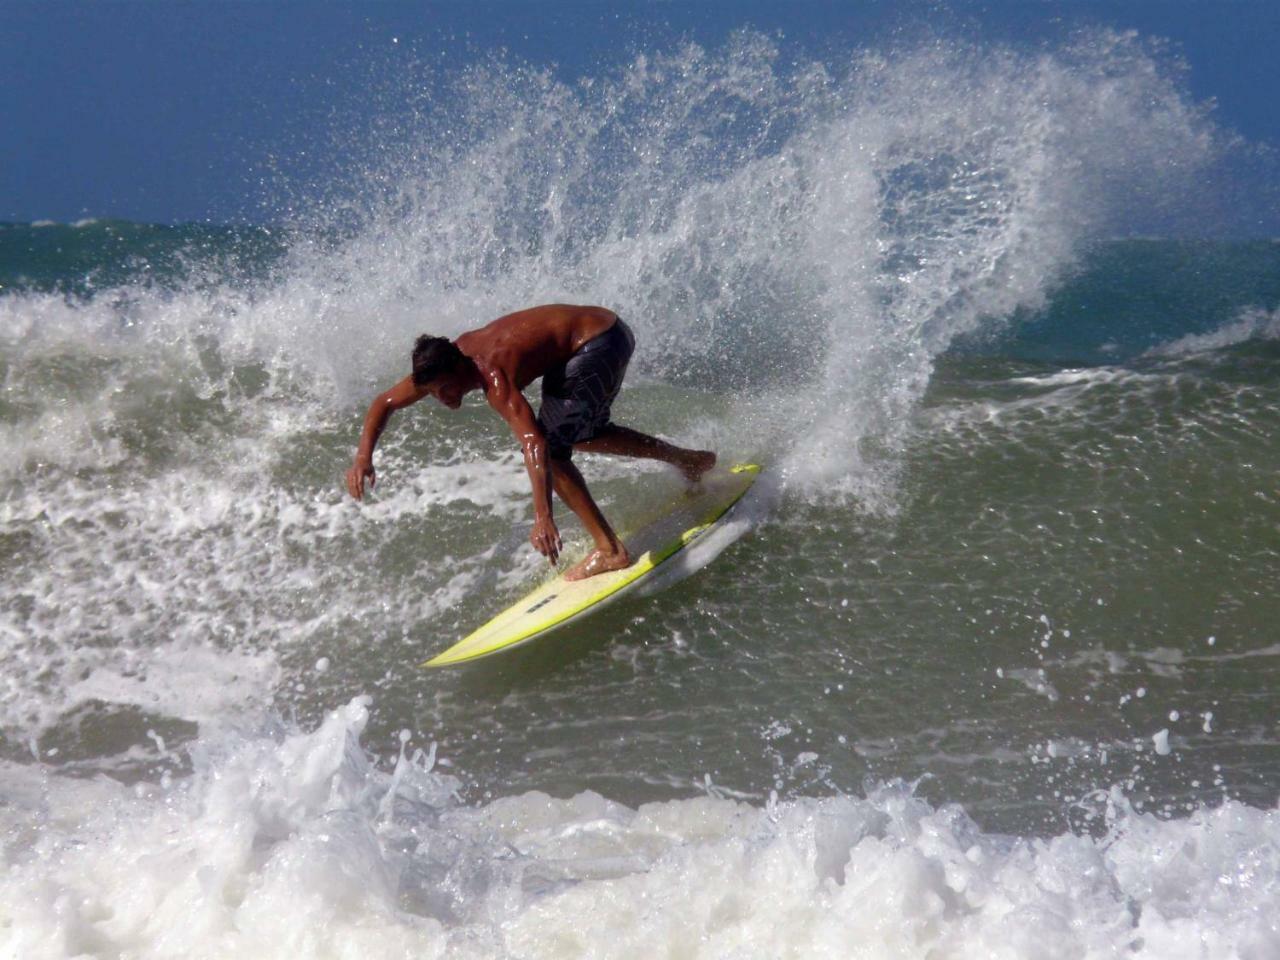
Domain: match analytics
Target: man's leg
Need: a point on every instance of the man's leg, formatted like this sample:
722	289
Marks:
625	442
609	554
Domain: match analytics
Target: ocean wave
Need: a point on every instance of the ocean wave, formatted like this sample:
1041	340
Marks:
297	844
797	245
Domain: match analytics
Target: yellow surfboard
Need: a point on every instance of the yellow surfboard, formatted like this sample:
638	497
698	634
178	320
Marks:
560	601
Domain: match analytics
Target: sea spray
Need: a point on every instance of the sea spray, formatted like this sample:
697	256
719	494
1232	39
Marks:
817	232
810	235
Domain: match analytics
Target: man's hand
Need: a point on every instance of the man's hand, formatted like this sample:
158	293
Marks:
360	469
546	538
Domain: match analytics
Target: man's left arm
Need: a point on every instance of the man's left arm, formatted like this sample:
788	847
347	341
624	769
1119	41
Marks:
509	402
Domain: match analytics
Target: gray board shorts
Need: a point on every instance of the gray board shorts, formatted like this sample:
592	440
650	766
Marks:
577	396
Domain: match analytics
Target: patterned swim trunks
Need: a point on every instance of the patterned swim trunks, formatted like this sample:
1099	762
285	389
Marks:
577	397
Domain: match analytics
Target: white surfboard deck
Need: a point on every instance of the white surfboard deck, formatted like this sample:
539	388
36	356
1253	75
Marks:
559	602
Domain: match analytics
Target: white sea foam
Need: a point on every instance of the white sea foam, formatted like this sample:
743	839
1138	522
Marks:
153	589
296	845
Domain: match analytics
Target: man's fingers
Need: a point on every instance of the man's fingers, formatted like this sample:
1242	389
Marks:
355	481
546	546
546	541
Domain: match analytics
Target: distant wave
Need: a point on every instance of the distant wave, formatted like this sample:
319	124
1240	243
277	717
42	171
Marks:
1253	323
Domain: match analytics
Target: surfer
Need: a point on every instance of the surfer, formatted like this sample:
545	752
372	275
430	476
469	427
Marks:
581	354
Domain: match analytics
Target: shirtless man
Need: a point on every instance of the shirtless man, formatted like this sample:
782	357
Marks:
581	353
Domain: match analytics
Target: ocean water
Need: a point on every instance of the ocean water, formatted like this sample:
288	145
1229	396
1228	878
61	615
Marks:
990	673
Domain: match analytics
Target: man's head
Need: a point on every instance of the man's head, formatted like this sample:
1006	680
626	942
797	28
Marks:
442	368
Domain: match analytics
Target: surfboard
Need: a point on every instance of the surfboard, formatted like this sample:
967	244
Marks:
654	547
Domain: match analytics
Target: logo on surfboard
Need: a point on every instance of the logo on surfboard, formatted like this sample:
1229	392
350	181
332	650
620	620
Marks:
542	603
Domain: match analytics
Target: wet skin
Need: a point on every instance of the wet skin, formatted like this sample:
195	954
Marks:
501	359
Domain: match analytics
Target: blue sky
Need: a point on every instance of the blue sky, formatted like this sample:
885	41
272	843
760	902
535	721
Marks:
166	111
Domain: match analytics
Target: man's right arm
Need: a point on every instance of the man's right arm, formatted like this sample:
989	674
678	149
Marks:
401	395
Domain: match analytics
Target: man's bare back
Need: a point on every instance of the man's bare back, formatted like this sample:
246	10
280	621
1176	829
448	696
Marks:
526	344
581	352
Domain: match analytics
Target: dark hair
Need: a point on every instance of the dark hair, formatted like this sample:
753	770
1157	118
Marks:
432	357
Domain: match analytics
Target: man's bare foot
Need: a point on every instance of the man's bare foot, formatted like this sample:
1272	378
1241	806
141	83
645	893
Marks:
599	561
696	464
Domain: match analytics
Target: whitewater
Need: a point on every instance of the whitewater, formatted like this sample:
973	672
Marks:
991	675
